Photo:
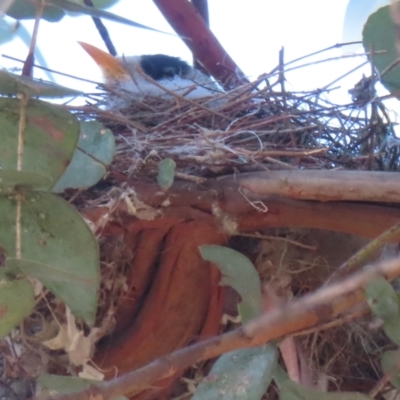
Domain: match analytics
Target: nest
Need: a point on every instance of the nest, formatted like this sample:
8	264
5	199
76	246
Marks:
256	126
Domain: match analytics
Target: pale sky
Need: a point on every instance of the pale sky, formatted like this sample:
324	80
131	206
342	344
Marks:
251	31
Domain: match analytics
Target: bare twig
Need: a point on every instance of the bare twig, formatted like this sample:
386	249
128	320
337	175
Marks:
30	59
102	31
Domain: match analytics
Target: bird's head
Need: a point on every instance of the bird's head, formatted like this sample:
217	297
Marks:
112	68
136	74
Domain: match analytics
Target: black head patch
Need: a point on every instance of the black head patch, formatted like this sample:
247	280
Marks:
161	66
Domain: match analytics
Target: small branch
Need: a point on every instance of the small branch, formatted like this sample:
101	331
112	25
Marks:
30	59
299	314
359	259
102	31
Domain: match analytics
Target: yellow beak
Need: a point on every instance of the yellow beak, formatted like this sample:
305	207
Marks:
108	64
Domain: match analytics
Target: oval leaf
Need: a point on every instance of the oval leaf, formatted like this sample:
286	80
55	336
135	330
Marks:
166	171
382	298
22	9
57	248
392	329
10	179
379	34
357	13
239	273
75	7
50	138
55	384
240	375
12	84
17	300
389	362
293	391
95	151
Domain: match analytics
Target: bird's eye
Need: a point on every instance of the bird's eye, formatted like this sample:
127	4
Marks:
170	72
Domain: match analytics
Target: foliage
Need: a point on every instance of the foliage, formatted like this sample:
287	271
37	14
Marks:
54	384
41	235
379	39
238	272
242	374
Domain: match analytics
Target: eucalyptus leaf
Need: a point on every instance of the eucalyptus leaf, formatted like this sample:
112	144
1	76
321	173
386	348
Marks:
239	375
12	84
379	34
95	12
382	298
95	151
166	173
389	361
357	13
57	248
239	273
17	301
293	391
392	329
9	179
96	3
22	9
56	384
49	138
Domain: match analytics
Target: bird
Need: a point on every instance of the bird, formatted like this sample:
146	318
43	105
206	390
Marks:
157	75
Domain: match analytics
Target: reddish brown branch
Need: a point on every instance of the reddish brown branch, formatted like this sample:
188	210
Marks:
189	24
227	196
324	185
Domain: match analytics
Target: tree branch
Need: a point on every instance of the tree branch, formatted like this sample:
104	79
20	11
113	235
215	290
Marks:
305	312
189	24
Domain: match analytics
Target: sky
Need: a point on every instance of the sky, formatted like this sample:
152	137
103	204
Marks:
252	32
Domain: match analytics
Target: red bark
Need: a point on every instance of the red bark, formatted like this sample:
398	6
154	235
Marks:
189	24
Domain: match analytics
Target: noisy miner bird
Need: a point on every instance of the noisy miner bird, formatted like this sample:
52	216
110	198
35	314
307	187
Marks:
157	75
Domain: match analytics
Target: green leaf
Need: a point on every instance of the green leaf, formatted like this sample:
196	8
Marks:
379	34
95	12
16	302
95	151
392	329
293	391
382	298
57	248
96	3
22	9
12	84
49	138
166	172
10	179
55	384
103	3
239	273
239	375
357	12
390	362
